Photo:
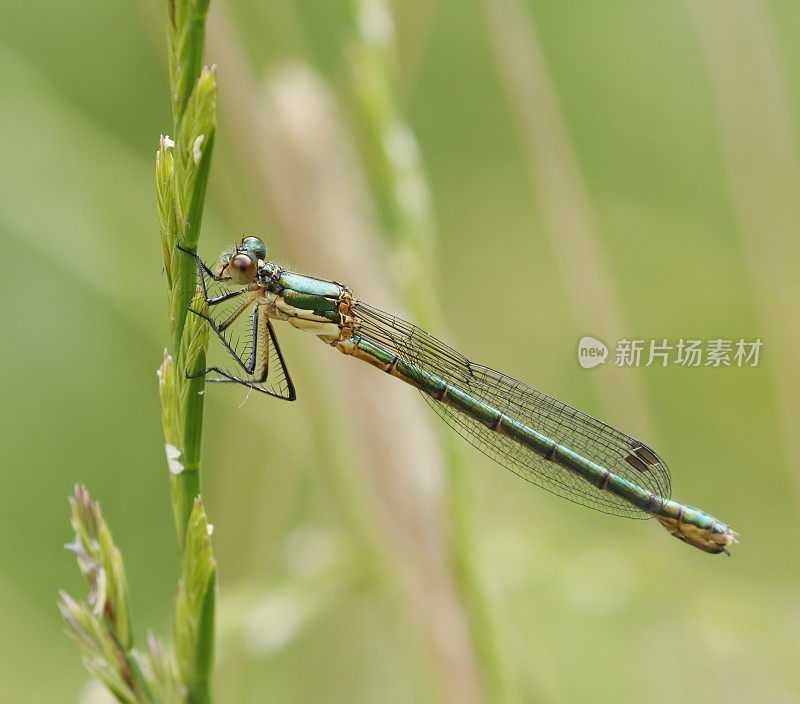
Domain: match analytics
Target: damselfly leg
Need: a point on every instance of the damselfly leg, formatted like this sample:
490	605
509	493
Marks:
252	355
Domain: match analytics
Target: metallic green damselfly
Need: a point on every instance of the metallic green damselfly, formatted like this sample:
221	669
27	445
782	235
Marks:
543	440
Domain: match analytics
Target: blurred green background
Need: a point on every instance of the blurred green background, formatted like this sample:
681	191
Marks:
616	169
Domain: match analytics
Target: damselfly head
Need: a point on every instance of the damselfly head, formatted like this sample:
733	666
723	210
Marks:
242	264
242	268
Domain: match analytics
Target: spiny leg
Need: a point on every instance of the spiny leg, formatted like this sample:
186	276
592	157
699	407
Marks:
286	391
233	316
220	330
260	325
201	267
201	264
221	299
263	326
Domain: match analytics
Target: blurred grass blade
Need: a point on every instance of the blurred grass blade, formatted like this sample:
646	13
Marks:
393	163
751	88
559	185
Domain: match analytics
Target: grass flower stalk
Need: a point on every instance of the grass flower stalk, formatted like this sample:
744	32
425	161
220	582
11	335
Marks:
182	170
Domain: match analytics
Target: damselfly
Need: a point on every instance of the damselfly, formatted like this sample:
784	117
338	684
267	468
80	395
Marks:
543	440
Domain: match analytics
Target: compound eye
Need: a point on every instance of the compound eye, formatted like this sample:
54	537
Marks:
242	269
256	247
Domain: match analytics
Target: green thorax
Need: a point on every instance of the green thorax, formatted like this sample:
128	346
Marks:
318	296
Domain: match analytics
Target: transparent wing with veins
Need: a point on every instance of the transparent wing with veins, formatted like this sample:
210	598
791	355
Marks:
608	447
